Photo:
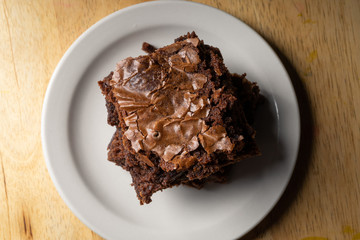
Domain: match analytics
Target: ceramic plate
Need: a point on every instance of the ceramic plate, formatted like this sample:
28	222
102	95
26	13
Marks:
75	133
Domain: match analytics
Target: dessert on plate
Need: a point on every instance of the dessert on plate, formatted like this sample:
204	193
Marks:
181	117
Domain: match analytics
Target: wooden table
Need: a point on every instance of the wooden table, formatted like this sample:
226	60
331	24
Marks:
318	42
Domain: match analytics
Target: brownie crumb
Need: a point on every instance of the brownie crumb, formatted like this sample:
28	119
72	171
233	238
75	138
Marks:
148	48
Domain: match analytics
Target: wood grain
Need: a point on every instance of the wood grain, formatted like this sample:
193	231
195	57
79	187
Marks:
317	41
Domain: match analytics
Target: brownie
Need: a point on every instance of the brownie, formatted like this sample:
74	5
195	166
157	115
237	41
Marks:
181	117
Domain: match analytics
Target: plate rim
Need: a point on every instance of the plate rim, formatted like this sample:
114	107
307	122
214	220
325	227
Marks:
78	41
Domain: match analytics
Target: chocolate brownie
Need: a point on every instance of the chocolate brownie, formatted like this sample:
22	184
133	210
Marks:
181	117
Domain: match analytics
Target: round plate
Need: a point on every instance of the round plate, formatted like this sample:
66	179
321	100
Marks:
75	133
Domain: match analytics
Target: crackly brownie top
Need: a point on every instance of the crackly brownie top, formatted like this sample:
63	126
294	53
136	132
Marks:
163	107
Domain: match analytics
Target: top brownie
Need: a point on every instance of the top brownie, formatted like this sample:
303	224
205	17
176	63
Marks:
181	117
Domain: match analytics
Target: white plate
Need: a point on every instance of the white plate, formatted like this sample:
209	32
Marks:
75	133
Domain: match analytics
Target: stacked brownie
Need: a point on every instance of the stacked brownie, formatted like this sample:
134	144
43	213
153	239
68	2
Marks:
181	117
